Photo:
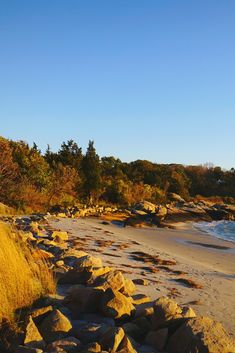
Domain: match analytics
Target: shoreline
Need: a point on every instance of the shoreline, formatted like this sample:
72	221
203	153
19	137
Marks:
211	268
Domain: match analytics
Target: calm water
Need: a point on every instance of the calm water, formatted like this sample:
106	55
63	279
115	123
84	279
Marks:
221	229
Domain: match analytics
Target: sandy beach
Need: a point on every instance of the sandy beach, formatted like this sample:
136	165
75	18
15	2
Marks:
165	258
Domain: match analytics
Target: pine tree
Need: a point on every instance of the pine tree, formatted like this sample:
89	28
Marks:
92	173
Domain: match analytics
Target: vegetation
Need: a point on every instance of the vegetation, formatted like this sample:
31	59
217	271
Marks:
22	279
31	181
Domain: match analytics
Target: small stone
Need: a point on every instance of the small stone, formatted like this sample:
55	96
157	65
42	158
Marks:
69	344
140	299
141	281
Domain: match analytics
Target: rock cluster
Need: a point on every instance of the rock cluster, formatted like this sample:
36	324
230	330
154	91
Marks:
101	313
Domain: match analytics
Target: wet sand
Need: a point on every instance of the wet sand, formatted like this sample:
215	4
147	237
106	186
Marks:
188	265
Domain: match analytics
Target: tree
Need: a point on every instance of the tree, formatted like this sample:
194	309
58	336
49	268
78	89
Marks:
8	171
70	154
63	183
92	173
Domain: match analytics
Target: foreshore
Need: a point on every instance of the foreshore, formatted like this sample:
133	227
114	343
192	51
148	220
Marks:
184	253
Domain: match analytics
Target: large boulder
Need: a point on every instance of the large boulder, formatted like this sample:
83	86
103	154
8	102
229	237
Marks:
116	305
201	334
55	326
165	310
157	339
83	299
116	281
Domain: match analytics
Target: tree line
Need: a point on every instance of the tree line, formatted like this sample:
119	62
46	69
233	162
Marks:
32	181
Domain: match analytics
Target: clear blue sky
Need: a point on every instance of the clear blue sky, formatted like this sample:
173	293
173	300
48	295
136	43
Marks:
146	79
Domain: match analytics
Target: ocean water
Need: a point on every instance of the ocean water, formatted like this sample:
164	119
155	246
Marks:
221	229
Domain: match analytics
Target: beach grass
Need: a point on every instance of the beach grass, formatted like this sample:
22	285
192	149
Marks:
22	278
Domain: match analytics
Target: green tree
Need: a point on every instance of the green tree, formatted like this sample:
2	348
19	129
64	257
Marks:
92	173
70	154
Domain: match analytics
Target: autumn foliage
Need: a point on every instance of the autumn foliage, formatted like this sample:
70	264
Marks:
31	181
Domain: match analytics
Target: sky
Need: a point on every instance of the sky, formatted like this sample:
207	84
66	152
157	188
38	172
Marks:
144	79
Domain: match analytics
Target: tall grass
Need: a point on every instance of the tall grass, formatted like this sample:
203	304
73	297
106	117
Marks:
23	279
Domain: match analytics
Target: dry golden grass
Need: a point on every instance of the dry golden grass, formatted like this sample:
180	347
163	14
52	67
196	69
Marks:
23	279
5	210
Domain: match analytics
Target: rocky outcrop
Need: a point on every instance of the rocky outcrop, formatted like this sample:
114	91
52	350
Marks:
103	314
200	334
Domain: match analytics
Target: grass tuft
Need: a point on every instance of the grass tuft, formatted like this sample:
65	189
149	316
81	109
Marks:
23	279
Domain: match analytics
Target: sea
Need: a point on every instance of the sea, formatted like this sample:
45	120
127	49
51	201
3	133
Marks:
220	229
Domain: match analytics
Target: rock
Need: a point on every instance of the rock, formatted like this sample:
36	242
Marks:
69	344
83	299
74	276
38	314
55	326
25	349
59	263
116	305
176	197
161	212
201	334
126	346
96	272
59	234
132	330
145	206
116	281
188	312
140	299
144	325
141	281
146	349
71	256
99	319
91	332
128	288
33	337
112	339
144	310
88	261
157	339
93	347
165	309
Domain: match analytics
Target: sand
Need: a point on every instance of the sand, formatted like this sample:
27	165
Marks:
207	261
